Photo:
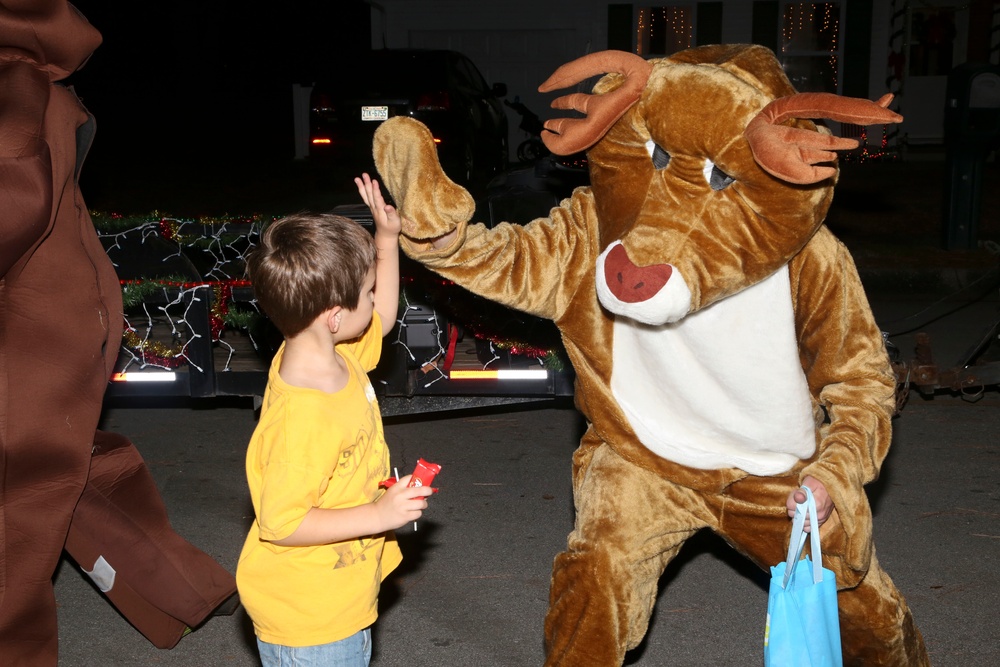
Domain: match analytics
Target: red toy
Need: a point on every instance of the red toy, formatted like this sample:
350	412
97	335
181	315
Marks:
423	475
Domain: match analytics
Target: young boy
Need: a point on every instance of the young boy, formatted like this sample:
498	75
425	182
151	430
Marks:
321	544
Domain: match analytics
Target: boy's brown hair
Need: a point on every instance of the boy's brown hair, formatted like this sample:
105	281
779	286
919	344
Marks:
308	263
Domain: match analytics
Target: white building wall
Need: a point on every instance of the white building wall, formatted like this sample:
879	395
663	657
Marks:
521	42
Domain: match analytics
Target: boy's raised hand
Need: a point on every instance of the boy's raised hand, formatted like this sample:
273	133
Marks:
388	226
387	220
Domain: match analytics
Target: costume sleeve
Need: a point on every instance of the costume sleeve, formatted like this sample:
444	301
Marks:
850	377
534	267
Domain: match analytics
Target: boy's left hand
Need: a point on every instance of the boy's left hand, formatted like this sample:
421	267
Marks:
387	220
824	504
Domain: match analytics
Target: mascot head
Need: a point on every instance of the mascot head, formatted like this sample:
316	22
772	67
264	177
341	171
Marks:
706	171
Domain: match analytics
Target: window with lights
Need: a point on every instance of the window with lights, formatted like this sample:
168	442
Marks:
812	45
664	30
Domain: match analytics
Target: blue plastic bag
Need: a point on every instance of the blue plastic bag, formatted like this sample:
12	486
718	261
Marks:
803	627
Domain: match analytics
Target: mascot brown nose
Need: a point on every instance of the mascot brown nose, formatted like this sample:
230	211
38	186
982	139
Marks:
630	283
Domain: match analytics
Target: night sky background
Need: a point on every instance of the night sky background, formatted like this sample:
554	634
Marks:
194	95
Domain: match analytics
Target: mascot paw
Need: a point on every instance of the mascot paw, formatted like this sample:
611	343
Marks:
431	204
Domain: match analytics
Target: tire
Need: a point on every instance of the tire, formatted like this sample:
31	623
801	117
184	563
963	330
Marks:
531	150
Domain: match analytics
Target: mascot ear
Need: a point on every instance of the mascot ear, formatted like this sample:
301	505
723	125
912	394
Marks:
791	153
570	135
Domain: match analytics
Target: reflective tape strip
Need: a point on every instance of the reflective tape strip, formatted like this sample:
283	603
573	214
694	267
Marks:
539	374
155	376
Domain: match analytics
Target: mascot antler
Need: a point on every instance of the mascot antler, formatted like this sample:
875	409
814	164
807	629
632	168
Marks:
791	153
569	135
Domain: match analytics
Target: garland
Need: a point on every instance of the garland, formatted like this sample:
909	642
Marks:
221	316
508	331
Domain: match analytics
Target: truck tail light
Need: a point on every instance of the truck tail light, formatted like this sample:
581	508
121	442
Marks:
436	101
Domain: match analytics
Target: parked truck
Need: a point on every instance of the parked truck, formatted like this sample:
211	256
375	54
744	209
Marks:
193	328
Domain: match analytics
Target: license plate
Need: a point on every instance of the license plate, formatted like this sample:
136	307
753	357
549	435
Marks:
375	113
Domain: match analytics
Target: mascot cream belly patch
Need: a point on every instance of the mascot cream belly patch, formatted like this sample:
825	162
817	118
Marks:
724	350
696	393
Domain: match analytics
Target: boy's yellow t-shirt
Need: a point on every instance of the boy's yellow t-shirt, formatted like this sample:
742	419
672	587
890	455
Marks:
316	449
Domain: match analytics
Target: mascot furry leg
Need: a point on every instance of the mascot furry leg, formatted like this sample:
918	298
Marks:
631	523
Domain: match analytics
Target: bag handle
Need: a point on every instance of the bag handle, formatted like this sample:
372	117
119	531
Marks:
798	539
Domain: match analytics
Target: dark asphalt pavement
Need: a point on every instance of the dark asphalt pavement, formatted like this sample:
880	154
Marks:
473	588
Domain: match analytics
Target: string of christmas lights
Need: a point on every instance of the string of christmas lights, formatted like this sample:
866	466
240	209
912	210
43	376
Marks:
672	25
158	333
866	153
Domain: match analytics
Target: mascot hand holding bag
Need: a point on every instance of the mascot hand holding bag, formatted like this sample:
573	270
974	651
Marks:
724	349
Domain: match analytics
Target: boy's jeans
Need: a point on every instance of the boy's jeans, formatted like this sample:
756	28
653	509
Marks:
354	651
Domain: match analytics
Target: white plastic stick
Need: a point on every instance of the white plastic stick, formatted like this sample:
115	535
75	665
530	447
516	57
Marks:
396	471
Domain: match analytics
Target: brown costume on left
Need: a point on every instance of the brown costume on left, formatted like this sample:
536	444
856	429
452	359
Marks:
708	183
63	483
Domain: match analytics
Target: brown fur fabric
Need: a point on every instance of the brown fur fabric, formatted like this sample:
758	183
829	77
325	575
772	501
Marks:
654	243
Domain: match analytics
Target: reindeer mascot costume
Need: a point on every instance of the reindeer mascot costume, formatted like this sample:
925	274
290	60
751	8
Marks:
724	348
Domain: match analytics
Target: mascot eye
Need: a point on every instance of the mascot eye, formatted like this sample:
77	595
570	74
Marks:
717	179
661	158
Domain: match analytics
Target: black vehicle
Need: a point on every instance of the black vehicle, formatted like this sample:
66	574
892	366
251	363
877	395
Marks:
441	89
